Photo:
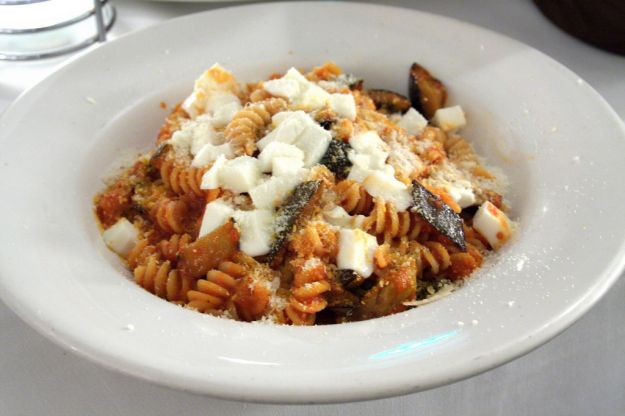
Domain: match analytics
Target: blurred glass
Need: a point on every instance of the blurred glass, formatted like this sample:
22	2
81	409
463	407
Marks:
32	29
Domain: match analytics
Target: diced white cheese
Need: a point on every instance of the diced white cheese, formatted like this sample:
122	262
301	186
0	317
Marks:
240	174
338	216
121	237
224	115
193	135
413	122
273	191
220	98
492	224
256	228
462	193
382	185
314	142
298	90
343	105
189	104
369	143
288	126
210	179
359	171
449	118
313	98
181	141
286	166
294	74
215	215
283	87
278	149
212	80
356	251
209	153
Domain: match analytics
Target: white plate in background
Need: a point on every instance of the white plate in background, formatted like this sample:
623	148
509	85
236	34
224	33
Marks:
557	140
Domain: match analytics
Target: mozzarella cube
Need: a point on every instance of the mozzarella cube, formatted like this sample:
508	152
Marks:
121	237
214	79
338	216
273	191
193	135
218	99
283	87
343	105
203	132
215	215
359	173
209	153
295	75
286	166
382	185
277	149
462	193
256	228
356	251
449	118
492	224
181	141
369	143
210	179
313	98
289	126
224	115
240	174
413	122
314	142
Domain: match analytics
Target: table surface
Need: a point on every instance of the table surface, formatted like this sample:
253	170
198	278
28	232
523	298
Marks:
580	372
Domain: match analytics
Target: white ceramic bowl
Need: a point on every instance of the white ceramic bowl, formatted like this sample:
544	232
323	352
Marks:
558	141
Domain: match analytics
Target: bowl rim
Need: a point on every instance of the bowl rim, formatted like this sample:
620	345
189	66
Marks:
506	353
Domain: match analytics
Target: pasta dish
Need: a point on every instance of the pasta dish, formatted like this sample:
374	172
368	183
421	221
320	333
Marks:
306	199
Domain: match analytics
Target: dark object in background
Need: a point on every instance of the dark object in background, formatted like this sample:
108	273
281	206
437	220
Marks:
598	22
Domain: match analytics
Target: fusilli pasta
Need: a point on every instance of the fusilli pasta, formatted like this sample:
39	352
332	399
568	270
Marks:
347	212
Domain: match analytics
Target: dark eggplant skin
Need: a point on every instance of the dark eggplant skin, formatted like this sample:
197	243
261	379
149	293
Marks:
427	94
438	214
346	277
290	212
336	159
389	101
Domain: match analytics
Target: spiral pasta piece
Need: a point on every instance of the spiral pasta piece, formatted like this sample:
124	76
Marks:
309	285
353	197
316	239
441	260
140	253
243	131
385	221
169	214
171	248
464	263
217	288
162	280
182	180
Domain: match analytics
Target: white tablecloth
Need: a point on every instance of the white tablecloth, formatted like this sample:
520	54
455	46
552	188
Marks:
581	372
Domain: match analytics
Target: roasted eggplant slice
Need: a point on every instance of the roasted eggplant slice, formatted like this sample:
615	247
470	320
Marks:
438	214
388	101
427	94
289	212
336	158
346	277
209	251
